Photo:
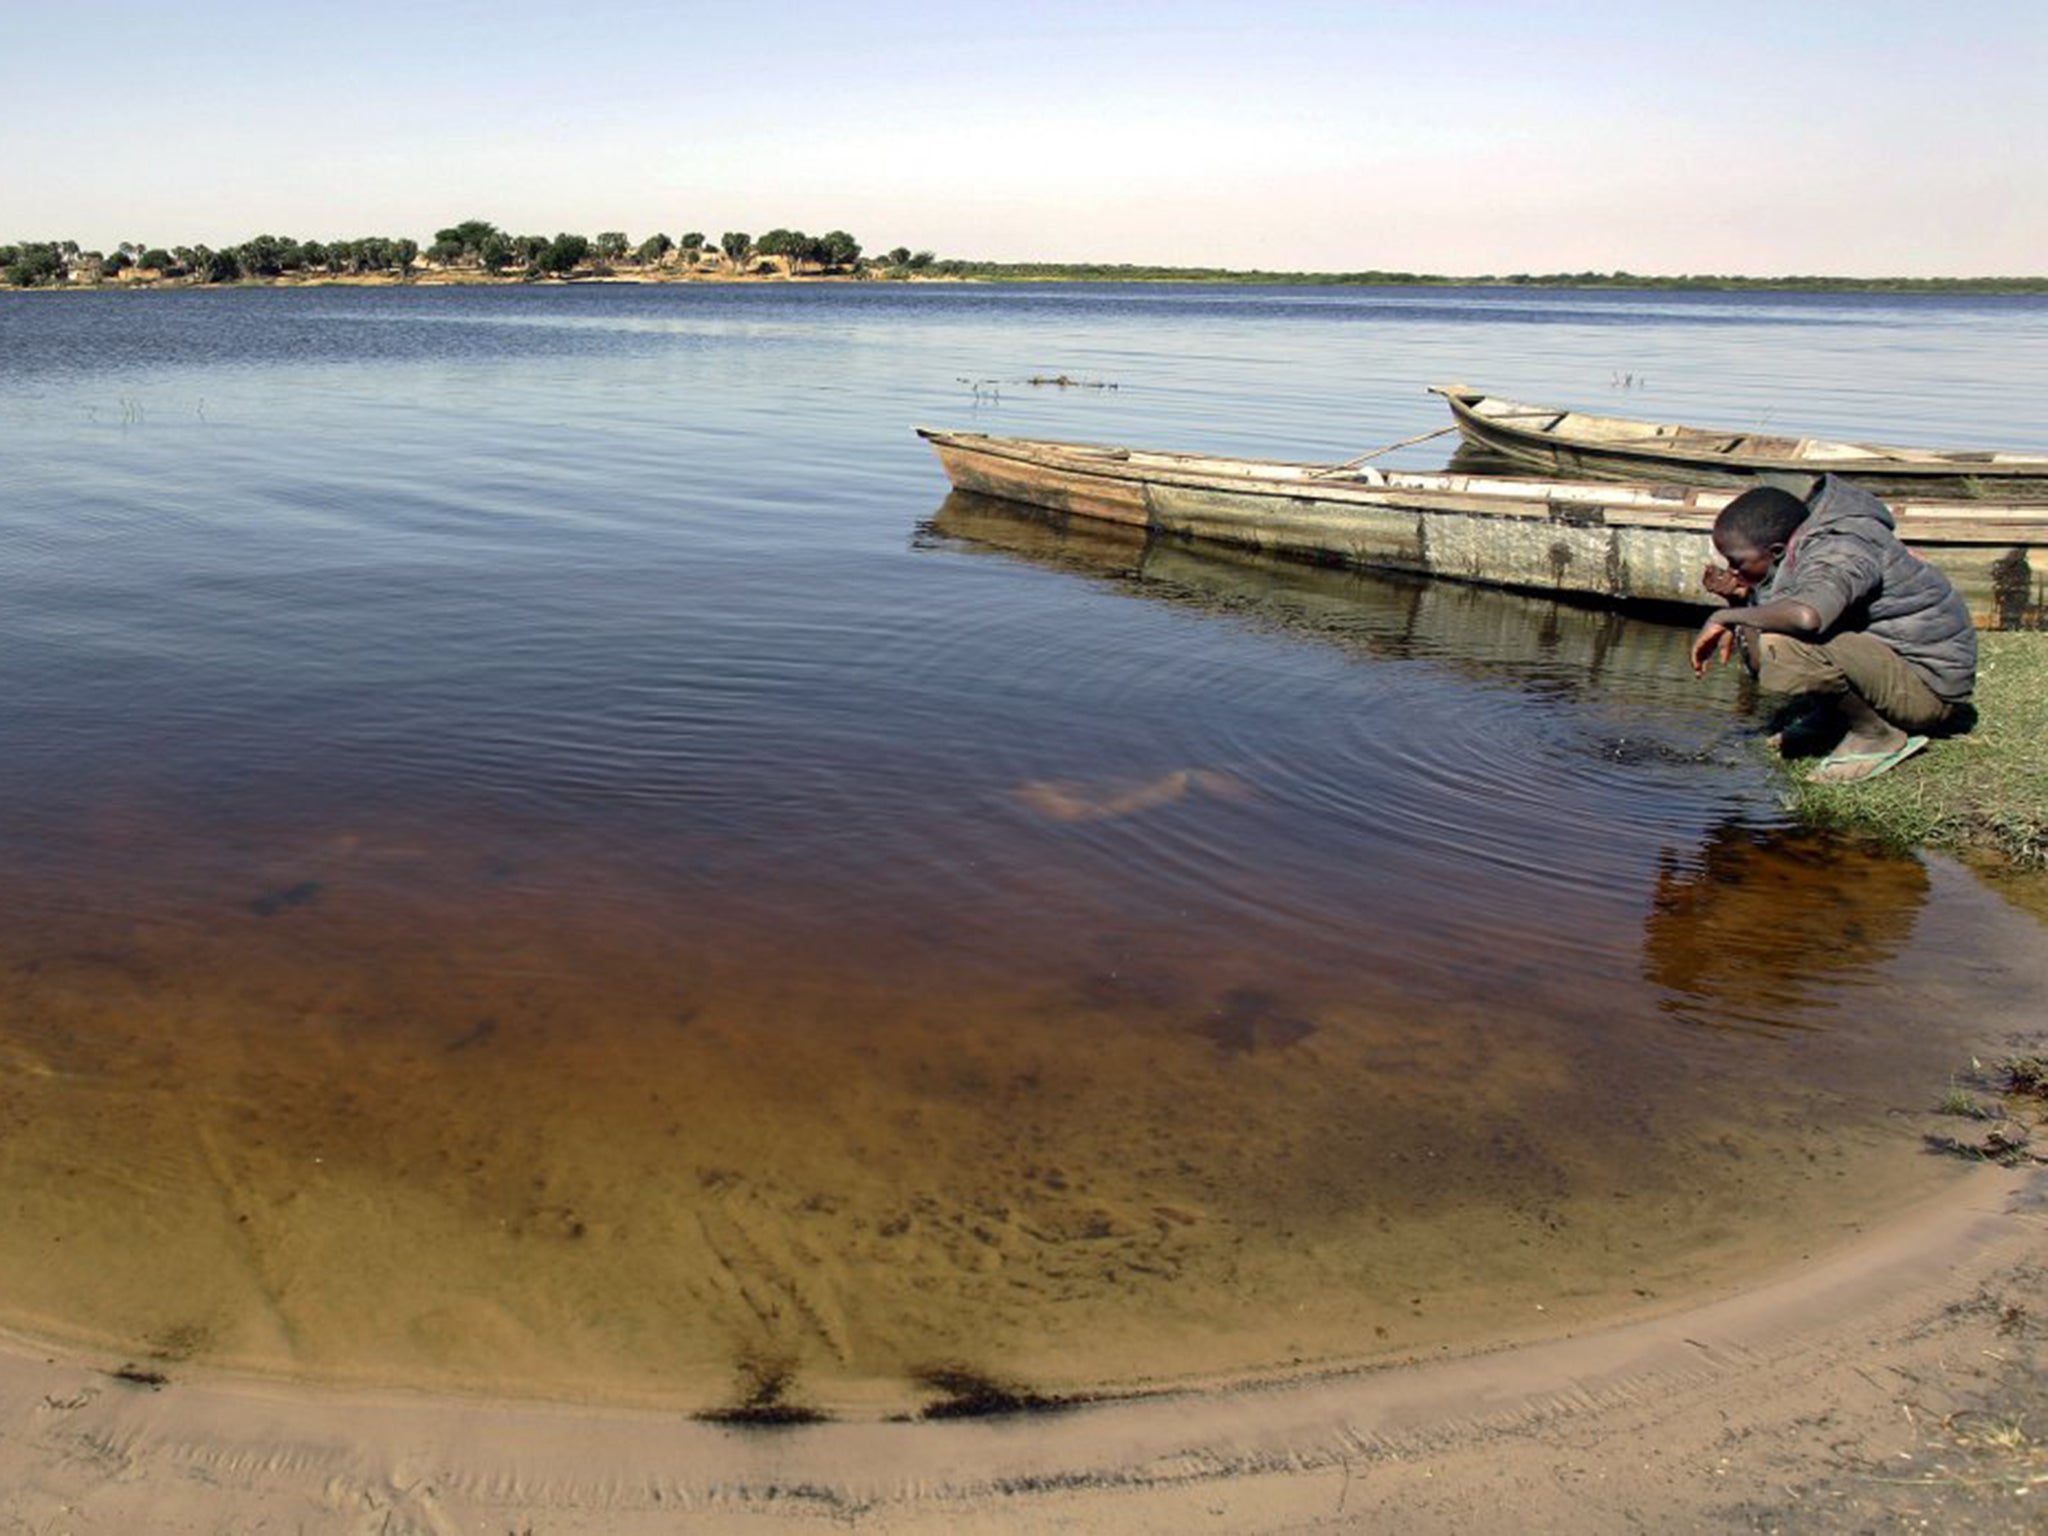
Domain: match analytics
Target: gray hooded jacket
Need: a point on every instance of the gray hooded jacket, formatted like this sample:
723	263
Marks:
1847	564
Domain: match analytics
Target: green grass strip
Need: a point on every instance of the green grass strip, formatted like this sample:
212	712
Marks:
1985	791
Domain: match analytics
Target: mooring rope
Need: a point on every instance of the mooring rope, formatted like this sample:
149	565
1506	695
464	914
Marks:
1406	442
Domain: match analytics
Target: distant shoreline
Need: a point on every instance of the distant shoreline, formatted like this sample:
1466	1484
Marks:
1045	272
1625	281
476	251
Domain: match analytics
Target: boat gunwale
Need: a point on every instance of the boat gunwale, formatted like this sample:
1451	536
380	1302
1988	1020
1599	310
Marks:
1872	459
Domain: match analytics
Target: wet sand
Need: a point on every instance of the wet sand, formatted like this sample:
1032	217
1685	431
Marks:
1781	1404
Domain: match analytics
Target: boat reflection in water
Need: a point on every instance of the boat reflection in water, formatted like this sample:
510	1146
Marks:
1544	643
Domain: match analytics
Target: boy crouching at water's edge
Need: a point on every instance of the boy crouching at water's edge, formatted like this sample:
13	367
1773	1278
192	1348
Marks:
1827	604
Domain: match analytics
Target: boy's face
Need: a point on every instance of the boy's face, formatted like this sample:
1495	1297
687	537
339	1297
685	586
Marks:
1746	560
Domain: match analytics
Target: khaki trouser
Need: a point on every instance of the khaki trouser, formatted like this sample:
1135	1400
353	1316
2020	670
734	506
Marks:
1852	662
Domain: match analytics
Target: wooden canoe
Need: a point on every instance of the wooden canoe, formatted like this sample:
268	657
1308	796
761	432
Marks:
1618	447
1587	540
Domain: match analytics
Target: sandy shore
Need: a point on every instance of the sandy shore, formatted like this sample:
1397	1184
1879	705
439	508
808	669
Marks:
1877	1385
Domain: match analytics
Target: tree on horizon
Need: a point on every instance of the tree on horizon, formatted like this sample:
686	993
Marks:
461	242
564	253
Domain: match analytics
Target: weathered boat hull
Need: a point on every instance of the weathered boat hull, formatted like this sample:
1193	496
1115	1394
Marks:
1586	444
1609	543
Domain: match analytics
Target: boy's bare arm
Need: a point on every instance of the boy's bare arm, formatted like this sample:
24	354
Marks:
1787	616
1716	640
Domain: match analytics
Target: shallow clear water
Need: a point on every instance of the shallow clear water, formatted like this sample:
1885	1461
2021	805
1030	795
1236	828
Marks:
543	850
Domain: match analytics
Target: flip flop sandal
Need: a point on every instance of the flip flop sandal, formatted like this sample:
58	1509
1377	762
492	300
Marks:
1880	762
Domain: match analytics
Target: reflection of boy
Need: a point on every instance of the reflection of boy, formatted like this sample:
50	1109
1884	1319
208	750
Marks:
1700	934
1829	604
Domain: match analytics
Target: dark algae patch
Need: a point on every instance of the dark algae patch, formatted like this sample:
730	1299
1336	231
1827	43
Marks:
1248	1021
479	1033
285	899
764	1402
969	1394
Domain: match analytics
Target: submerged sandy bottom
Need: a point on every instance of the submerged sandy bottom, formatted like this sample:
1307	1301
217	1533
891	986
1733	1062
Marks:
610	1150
1825	1399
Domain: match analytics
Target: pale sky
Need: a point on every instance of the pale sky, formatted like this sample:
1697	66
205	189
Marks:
1448	136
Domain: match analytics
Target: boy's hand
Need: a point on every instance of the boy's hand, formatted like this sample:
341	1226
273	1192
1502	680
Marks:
1715	642
1724	583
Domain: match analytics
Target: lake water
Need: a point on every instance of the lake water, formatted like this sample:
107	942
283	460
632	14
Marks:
543	852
